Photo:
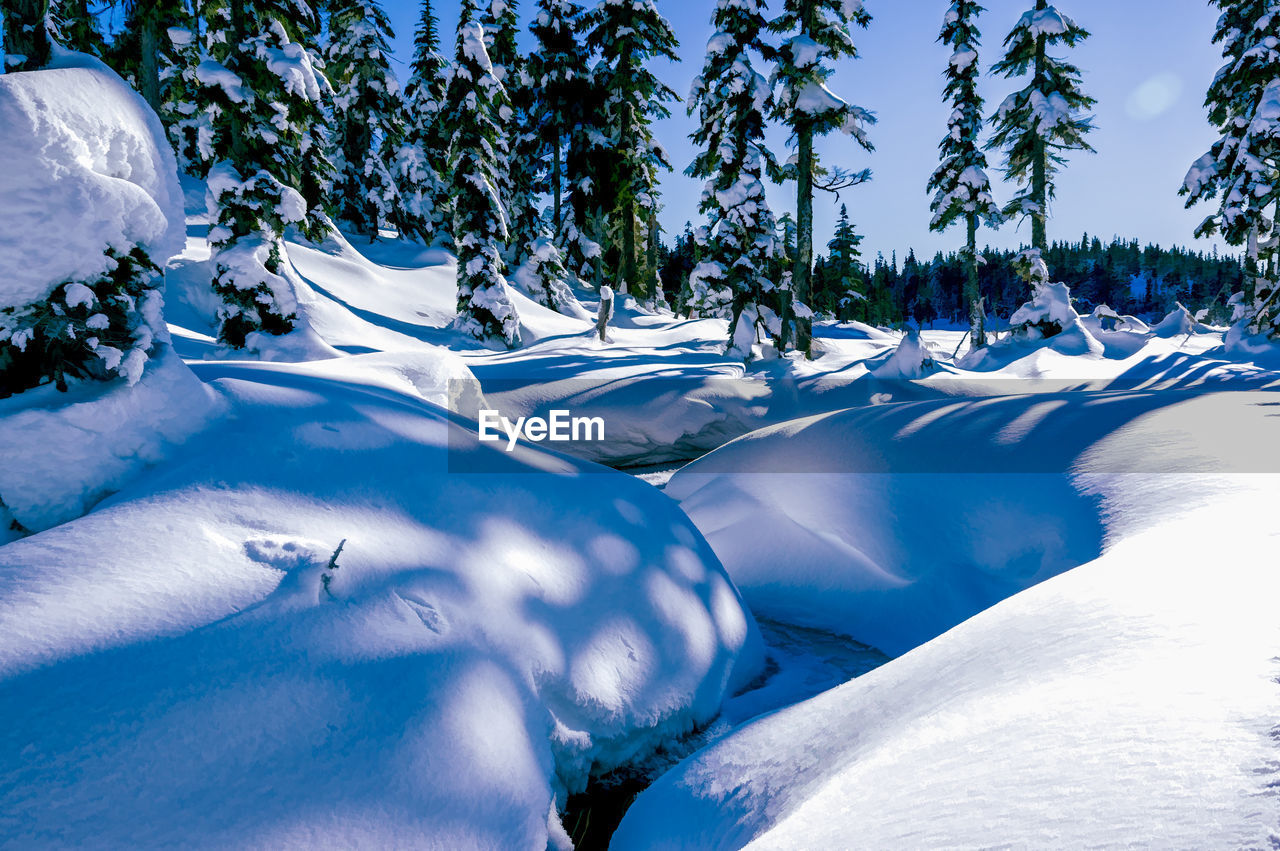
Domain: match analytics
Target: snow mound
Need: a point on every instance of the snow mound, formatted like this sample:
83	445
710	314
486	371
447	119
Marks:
196	658
1180	323
819	520
911	359
1132	699
87	167
60	453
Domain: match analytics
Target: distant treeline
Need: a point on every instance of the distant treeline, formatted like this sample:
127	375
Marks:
1129	277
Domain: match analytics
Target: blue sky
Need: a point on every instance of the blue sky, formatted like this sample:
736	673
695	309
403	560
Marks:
1148	64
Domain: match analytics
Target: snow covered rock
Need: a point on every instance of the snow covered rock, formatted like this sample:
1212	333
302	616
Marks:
191	663
92	210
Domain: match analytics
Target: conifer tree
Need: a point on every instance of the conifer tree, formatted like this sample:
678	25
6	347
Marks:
26	34
1240	171
960	186
1040	123
422	160
731	99
629	34
368	114
264	96
75	26
518	172
559	80
475	103
816	34
842	263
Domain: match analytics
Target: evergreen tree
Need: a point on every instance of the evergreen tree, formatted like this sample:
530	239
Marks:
845	296
731	99
1037	125
263	96
559	80
421	163
26	34
629	34
1240	170
816	35
475	102
962	190
368	115
145	53
74	24
518	172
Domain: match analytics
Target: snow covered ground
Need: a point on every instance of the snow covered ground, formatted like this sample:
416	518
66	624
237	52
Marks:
1060	536
1129	702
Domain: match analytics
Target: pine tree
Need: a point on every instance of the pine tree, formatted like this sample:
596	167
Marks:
816	34
1240	170
521	170
475	103
843	264
422	160
74	25
731	99
559	78
368	115
1037	125
629	34
26	34
962	190
263	96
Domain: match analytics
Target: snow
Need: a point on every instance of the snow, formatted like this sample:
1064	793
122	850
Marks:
498	626
61	453
87	166
283	596
1133	696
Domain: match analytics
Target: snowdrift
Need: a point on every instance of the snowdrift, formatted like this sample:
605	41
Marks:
1131	700
86	167
822	521
190	662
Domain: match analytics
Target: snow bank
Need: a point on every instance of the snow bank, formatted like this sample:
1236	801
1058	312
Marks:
1129	701
60	453
86	167
819	521
182	665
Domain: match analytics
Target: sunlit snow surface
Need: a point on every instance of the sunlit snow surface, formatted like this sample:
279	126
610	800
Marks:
182	666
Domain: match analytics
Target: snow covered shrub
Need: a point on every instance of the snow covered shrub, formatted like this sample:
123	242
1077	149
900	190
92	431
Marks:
100	330
1048	313
91	211
543	277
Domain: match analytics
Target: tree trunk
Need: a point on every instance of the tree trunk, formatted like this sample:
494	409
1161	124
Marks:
149	68
1251	268
804	236
651	257
555	184
973	294
1040	165
25	34
239	29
